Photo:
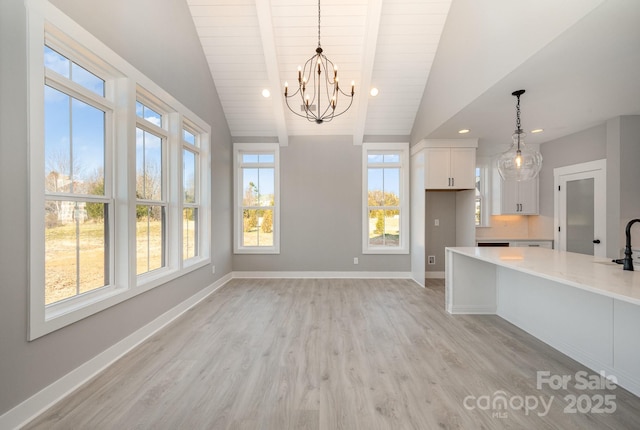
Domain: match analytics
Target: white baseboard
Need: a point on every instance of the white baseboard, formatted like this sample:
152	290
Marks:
48	396
433	275
473	310
323	275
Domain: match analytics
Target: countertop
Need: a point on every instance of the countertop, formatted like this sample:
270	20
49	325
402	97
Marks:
595	274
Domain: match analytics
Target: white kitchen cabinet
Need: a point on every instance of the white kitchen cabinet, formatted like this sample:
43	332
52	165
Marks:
515	198
450	168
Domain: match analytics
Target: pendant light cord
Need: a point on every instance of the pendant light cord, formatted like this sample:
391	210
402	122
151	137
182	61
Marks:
519	128
518	114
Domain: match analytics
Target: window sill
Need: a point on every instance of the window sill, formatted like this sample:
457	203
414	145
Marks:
375	251
59	315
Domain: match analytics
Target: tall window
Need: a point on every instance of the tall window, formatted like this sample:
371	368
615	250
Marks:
151	204
257	195
77	204
482	209
478	207
385	198
190	193
112	213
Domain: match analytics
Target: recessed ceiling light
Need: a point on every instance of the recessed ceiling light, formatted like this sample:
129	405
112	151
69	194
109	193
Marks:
537	130
266	93
464	131
374	92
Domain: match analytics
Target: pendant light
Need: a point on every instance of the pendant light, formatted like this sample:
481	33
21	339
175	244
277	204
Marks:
519	162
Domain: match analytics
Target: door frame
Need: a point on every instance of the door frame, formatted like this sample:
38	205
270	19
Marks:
598	170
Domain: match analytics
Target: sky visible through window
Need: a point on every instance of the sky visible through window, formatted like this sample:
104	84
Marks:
74	130
262	178
381	178
74	137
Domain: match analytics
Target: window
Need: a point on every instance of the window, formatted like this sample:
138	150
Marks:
151	203
190	194
385	198
119	192
77	237
478	205
256	179
481	199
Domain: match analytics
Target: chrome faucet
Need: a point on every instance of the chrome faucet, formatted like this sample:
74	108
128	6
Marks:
627	262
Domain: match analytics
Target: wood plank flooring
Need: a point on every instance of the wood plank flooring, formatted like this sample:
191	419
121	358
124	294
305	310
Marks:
332	354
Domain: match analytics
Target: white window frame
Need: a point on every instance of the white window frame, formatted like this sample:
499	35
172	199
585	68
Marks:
198	197
484	164
161	132
123	84
402	149
255	148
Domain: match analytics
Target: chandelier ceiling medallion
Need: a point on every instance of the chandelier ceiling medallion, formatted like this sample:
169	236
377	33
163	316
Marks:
519	162
318	88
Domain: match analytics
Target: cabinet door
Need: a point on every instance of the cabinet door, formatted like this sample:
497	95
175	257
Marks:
463	168
437	171
509	201
528	197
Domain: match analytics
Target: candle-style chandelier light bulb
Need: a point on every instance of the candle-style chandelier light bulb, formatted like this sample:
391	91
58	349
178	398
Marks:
519	162
318	90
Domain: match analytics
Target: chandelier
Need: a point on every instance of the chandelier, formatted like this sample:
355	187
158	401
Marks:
519	162
318	88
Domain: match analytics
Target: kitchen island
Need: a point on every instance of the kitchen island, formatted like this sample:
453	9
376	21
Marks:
586	307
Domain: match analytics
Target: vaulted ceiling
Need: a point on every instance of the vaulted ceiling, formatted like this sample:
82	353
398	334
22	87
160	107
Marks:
578	59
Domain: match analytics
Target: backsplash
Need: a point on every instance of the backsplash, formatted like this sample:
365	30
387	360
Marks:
505	226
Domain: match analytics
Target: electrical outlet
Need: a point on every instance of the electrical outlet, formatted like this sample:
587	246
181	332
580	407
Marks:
431	259
355	260
213	270
436	222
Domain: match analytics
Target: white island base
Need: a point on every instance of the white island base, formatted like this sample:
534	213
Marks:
585	307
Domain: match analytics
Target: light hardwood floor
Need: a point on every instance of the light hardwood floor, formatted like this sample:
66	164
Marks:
332	354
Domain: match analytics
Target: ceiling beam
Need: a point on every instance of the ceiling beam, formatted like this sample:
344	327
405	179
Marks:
368	58
263	9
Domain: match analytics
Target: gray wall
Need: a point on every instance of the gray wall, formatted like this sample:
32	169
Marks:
630	171
440	205
157	37
618	141
623	177
587	145
320	206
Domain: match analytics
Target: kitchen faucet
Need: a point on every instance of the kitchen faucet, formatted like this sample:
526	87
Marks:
627	262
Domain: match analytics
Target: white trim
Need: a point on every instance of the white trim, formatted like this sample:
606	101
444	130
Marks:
599	169
444	143
473	310
434	275
48	396
320	275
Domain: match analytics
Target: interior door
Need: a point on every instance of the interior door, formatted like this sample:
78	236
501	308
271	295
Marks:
581	208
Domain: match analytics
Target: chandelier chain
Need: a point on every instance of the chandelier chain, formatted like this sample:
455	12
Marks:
318	23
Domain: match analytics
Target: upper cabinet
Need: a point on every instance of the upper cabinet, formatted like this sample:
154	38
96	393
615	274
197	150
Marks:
450	168
514	198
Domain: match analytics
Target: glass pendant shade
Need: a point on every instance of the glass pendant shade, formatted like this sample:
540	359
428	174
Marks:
519	162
